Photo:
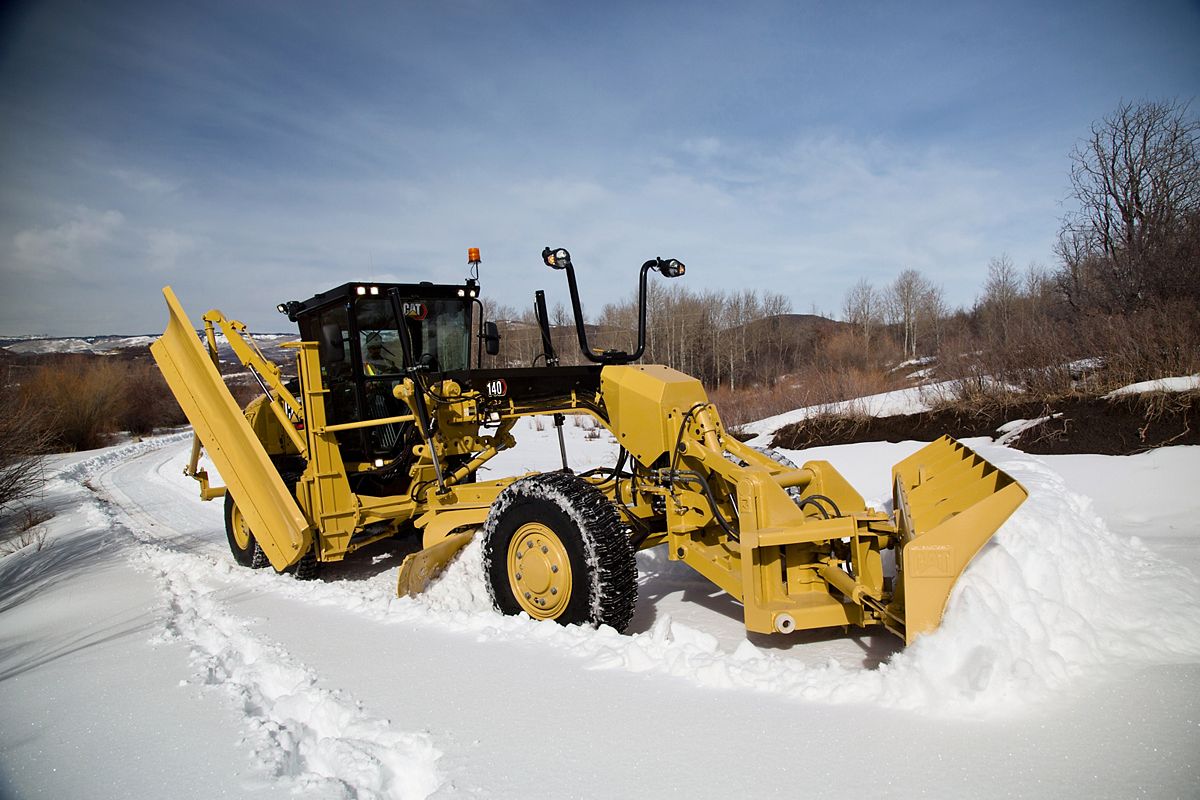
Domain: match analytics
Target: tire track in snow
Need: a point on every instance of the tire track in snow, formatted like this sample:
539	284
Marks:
319	741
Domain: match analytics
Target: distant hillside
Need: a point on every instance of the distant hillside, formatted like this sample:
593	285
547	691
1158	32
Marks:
41	345
19	353
797	326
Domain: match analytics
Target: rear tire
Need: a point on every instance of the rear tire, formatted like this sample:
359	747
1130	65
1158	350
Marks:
307	568
554	548
245	548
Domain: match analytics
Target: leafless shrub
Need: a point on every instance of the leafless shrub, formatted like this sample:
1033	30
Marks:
851	383
147	403
29	532
741	406
1156	343
35	538
243	388
25	433
84	399
84	396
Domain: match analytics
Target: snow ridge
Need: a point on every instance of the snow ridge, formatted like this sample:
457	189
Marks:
81	471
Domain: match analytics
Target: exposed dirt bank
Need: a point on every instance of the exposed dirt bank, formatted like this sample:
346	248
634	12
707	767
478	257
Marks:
1119	426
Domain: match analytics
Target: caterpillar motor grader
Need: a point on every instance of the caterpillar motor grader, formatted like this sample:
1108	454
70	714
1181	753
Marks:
393	413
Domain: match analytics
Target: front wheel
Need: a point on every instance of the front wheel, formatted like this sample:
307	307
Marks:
245	548
554	548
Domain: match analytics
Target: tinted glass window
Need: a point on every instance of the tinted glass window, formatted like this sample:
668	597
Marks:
440	331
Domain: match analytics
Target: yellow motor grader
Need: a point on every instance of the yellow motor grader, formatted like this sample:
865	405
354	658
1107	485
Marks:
393	413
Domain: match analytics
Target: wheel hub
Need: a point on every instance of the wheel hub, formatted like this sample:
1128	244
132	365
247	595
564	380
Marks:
539	571
241	531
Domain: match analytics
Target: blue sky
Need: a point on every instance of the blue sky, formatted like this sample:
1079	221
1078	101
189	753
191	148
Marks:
248	153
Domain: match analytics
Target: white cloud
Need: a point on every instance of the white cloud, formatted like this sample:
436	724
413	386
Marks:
703	147
164	248
144	182
66	246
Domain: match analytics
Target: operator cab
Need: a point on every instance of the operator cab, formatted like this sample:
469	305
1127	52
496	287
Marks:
371	336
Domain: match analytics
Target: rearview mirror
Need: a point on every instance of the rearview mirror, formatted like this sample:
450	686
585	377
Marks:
491	338
332	347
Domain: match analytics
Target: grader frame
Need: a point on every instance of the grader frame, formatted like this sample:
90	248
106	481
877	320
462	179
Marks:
796	546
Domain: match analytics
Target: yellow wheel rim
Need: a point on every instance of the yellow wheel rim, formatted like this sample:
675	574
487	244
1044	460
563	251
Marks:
241	531
539	571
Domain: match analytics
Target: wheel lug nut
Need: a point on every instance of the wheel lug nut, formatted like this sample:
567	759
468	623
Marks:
545	549
554	567
518	576
553	590
527	595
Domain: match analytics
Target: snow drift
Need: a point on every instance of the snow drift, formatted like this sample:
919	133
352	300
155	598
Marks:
1055	598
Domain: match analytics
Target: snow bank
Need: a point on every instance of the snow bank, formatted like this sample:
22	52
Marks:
913	400
1053	599
886	404
1186	383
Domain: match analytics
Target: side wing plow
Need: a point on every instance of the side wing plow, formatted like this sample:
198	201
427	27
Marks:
268	507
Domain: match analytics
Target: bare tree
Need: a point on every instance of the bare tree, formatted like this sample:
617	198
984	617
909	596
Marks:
1137	181
934	311
1001	295
863	308
908	301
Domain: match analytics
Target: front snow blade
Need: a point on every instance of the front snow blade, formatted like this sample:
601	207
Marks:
423	566
949	501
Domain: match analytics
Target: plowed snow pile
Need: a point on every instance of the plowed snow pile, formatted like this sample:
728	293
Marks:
1053	600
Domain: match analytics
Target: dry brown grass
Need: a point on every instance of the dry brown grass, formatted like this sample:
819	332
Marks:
86	399
827	426
1174	409
83	396
812	386
740	406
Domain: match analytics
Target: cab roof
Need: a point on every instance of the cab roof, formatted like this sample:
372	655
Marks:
425	290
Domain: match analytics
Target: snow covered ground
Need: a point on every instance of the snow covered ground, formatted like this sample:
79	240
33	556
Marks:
136	660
